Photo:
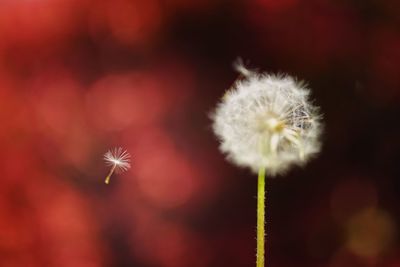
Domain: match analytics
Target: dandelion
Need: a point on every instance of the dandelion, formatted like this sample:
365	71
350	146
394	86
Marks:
267	123
118	159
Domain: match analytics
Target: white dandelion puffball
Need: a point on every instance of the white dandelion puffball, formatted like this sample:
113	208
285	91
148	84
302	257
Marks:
267	121
118	158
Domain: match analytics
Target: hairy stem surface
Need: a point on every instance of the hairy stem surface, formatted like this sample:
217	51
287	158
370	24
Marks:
261	218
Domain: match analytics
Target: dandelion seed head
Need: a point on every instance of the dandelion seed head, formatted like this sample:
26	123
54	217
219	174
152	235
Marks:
267	121
119	158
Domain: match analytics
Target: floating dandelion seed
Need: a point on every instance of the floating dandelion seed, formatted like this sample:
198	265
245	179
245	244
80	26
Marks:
266	123
119	159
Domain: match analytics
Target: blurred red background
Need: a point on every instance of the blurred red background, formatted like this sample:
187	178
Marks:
78	77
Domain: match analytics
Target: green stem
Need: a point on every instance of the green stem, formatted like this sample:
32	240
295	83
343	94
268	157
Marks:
261	218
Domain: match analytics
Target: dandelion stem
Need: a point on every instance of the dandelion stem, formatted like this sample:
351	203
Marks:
107	181
261	217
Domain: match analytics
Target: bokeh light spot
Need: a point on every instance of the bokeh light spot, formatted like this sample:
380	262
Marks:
164	175
116	101
129	22
370	232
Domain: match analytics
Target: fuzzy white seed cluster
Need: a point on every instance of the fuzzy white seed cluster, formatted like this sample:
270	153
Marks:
267	121
118	158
